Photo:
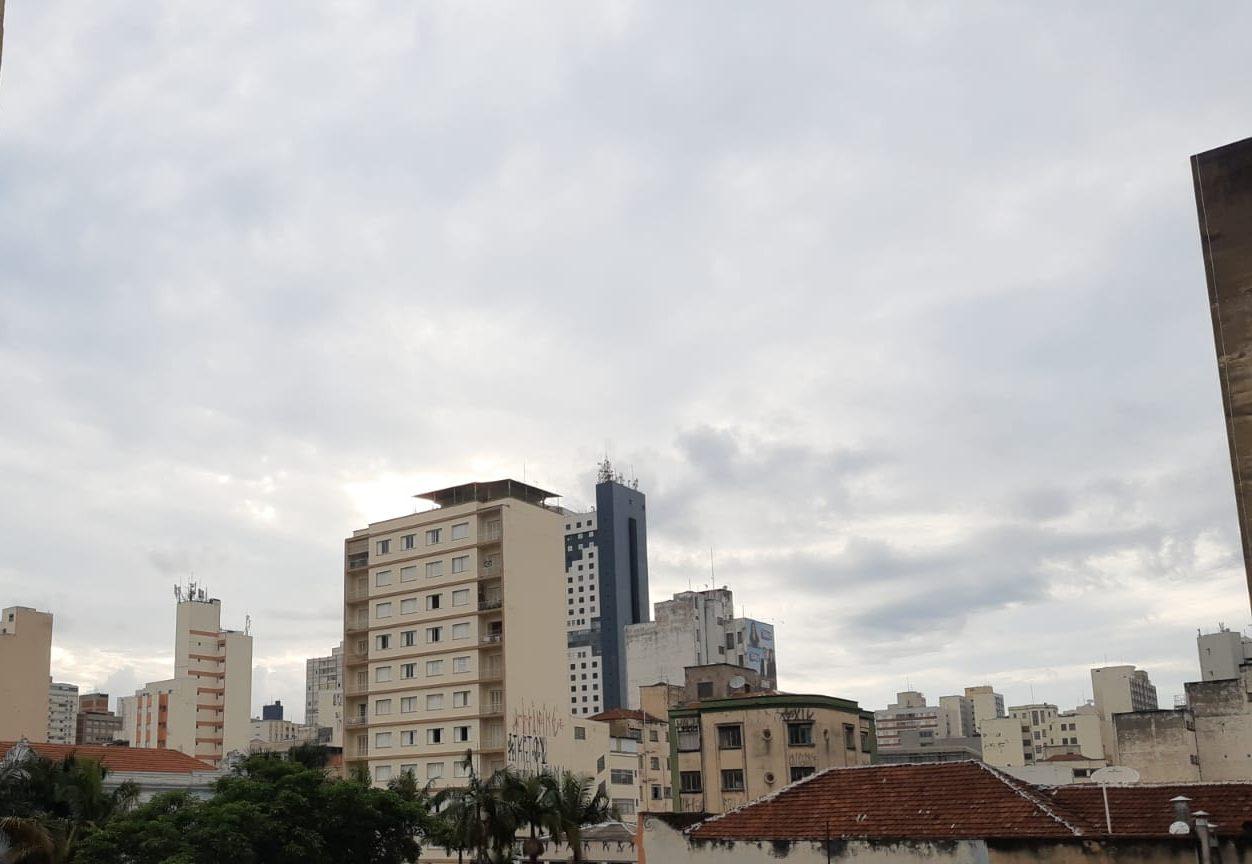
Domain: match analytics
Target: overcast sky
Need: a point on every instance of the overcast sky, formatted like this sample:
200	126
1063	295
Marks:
900	311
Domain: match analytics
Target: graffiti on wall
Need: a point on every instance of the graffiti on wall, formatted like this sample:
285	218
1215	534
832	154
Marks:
528	744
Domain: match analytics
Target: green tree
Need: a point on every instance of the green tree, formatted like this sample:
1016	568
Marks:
575	805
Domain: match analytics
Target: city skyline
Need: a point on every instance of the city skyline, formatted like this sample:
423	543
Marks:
922	354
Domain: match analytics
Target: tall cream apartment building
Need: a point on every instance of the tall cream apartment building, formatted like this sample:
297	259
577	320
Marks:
455	640
25	673
62	712
205	709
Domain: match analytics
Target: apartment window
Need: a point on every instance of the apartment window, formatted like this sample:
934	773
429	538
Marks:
382	773
433	536
460	597
652	736
656	793
408	704
800	734
460	631
411	770
434	701
864	741
434	770
688	731
622	776
434	736
849	736
704	690
432	602
434	634
408	574
460	563
460	769
433	668
460	734
383	641
730	737
382	578
408	638
732	780
382	674
433	569
408	541
383	547
655	763
408	670
460	664
730	640
408	606
460	531
580	733
460	698
599	764
382	707
382	740
408	738
382	610
799	772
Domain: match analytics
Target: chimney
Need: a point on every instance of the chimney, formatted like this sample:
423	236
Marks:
1182	815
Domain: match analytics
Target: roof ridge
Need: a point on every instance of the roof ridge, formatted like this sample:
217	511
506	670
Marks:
770	795
1031	794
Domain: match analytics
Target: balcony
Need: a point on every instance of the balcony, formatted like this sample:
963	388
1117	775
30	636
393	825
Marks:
351	722
491	638
489	602
357	626
492	669
357	592
358	688
357	561
490	532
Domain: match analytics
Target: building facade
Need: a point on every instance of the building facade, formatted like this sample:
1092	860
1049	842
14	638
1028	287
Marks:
909	713
606	576
697	628
987	704
637	773
321	673
62	712
26	658
205	709
725	752
1119	690
454	640
96	724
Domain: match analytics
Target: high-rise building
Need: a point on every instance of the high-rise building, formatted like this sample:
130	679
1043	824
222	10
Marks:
26	661
908	713
1119	690
697	628
205	709
62	712
272	712
606	577
96	724
988	704
454	639
321	673
1223	192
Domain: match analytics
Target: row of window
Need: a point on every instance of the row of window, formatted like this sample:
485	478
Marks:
434	668
730	735
408	737
692	782
434	569
434	702
434	635
434	536
434	770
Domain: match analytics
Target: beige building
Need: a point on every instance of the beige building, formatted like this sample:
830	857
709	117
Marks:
637	771
455	640
727	751
330	715
1032	734
62	712
96	724
26	661
321	674
205	709
278	735
1119	690
986	703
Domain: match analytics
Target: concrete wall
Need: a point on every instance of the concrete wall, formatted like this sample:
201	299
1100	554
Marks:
25	673
1002	742
1160	745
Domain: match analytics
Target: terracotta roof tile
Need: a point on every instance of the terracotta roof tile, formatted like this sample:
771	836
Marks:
1144	810
130	759
954	800
625	714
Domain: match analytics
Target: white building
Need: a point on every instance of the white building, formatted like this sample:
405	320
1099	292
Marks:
697	628
1222	654
322	673
62	712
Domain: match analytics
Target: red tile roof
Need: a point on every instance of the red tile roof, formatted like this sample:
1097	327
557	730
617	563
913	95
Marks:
625	714
1144	810
948	801
129	759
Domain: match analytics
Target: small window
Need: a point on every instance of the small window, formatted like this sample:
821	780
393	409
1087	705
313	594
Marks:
434	634
434	736
432	601
382	707
460	698
434	569
730	737
460	597
382	773
704	690
656	793
408	738
849	736
408	574
460	564
460	664
732	780
799	772
383	547
460	768
382	674
383	641
622	776
408	541
652	735
434	701
408	606
433	668
460	531
580	733
801	734
408	670
460	631
382	740
434	770
408	704
864	741
382	610
460	734
655	763
408	638
433	536
382	578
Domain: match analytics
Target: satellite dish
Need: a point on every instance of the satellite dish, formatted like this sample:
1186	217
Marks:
1179	827
1115	775
737	683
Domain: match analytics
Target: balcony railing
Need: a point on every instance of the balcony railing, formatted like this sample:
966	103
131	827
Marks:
491	638
353	626
358	593
358	561
355	721
490	533
486	604
356	688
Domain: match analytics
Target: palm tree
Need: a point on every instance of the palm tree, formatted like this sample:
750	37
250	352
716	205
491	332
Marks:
573	806
532	803
28	841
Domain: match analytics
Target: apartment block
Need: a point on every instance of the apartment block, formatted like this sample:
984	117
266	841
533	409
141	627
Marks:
697	628
987	704
606	578
1222	653
205	709
636	774
727	751
321	673
26	661
275	734
1119	690
908	713
454	640
96	724
62	712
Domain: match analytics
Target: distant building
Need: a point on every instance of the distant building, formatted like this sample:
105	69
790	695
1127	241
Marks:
729	749
987	704
698	628
322	673
62	711
275	734
1119	690
636	774
606	576
96	724
204	710
153	771
911	747
26	661
1222	653
272	712
127	709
